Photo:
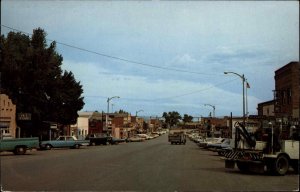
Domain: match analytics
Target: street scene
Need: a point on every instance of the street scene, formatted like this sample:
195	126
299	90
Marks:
152	165
149	95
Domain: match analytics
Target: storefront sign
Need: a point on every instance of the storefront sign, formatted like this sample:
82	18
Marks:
24	116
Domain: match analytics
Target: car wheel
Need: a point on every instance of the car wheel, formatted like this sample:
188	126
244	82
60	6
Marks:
48	147
77	146
20	150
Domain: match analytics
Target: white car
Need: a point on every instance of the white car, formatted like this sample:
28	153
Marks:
135	139
210	141
145	136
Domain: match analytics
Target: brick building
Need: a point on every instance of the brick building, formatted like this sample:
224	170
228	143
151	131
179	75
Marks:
287	93
266	109
8	117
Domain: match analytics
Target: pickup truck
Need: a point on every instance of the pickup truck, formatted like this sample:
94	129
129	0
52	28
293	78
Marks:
63	142
18	146
177	138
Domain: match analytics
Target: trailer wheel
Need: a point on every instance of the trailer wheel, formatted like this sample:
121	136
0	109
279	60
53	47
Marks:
20	150
243	167
280	165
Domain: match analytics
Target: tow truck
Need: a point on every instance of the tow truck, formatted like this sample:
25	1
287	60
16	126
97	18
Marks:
274	155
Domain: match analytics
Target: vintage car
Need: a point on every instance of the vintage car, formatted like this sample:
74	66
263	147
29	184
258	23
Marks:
116	141
145	136
99	139
63	142
18	146
135	138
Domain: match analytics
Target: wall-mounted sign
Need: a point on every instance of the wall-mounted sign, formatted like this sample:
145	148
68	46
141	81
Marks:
53	126
24	116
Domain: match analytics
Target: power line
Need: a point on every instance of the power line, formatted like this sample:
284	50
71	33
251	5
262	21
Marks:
134	62
118	58
170	97
194	92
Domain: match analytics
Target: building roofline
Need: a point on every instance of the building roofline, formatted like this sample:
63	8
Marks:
287	65
267	102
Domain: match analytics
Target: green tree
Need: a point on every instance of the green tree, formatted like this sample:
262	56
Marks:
121	111
187	118
33	79
171	118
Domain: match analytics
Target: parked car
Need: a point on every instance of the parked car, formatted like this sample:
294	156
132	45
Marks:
18	146
145	136
116	141
99	139
223	147
218	145
209	140
63	142
135	139
154	135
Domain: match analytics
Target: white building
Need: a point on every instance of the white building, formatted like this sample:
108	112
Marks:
81	128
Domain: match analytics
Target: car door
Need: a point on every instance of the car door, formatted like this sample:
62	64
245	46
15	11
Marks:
70	141
62	142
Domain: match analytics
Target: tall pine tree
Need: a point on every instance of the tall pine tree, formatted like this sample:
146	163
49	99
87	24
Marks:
33	79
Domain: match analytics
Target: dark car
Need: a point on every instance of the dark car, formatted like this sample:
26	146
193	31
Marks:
116	141
99	139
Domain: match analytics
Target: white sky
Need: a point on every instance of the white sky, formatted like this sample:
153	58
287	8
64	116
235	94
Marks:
252	38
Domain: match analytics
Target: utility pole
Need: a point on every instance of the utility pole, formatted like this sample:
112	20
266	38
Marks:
106	117
243	84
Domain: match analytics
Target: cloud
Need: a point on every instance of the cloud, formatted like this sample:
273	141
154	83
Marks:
184	60
152	96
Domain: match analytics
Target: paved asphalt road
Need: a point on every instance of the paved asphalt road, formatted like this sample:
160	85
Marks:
153	165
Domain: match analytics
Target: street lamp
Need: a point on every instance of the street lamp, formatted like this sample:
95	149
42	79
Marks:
243	81
138	112
136	122
112	107
106	117
214	108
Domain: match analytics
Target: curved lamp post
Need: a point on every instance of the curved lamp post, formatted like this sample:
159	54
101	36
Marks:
214	108
243	84
106	117
138	112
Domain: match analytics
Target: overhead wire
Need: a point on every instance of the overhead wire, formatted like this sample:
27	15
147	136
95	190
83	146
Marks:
118	58
134	62
170	97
